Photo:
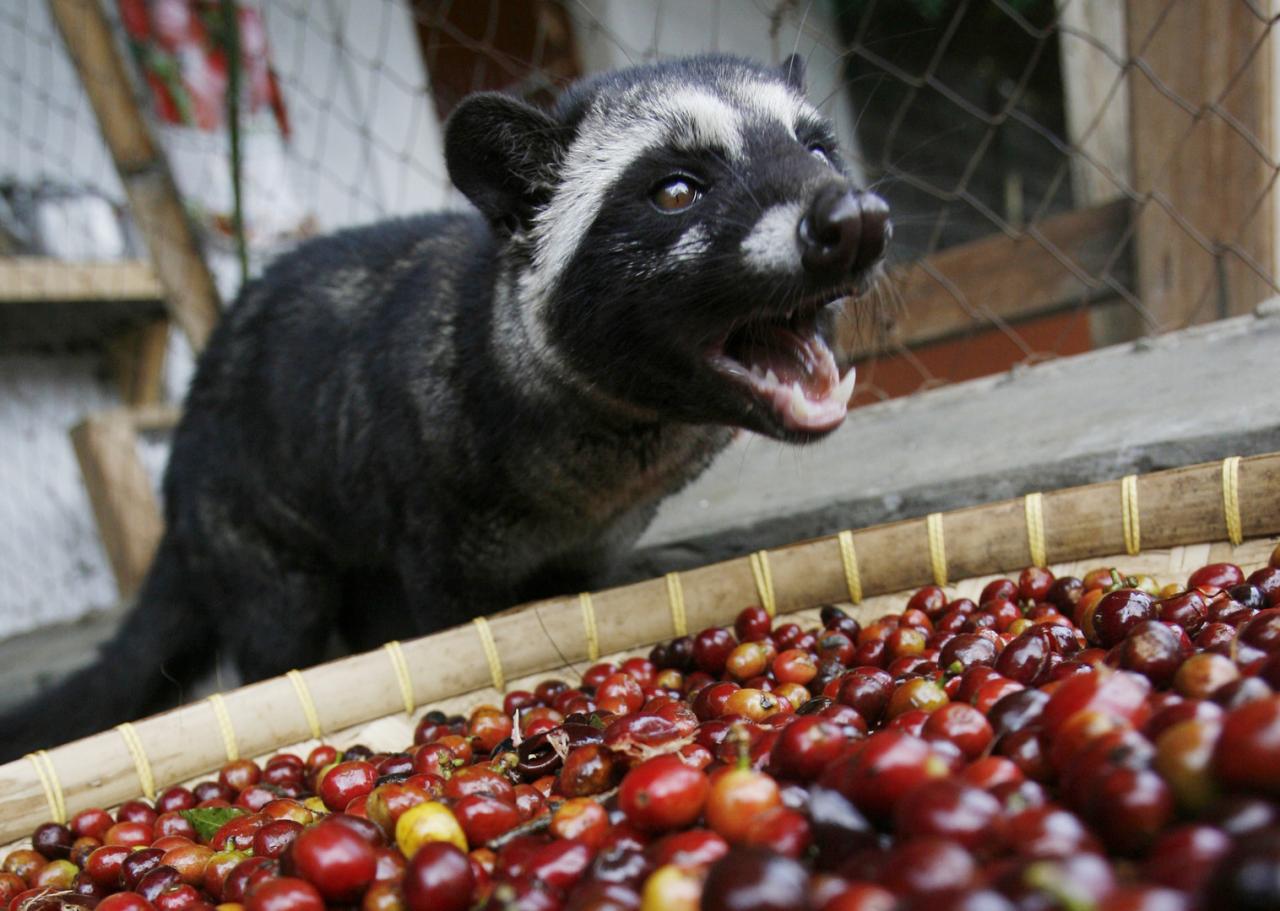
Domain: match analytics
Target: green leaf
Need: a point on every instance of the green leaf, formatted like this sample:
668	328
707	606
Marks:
208	820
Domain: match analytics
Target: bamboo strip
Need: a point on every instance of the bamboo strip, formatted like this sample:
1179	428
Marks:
1180	507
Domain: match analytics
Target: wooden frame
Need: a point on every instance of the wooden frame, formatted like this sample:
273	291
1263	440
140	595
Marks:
50	302
125	507
190	292
1095	87
36	279
1170	104
1203	153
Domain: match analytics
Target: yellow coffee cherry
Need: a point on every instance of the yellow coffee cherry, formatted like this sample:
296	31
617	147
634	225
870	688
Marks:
430	821
672	888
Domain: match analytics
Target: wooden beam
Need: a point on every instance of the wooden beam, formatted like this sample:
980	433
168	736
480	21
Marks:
153	418
1093	46
1054	265
1202	95
45	302
31	279
1095	90
124	505
136	358
189	288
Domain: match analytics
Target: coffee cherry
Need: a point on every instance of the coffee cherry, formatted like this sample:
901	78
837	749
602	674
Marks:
92	823
129	834
438	878
345	782
125	901
245	876
156	881
1247	754
752	624
11	885
927	866
962	725
334	859
190	861
662	793
711	649
736	798
52	840
1200	676
672	888
428	822
1119	612
754	879
881	770
285	894
1248	877
138	864
1216	577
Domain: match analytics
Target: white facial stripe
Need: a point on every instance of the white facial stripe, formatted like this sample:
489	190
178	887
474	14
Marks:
594	162
775	101
692	244
609	143
772	246
698	119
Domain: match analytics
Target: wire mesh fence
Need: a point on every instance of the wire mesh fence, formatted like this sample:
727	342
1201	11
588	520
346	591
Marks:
1063	175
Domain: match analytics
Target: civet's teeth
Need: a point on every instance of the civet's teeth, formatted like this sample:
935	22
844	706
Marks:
845	389
771	377
800	407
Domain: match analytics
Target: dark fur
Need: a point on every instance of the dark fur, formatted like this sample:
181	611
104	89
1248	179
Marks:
370	443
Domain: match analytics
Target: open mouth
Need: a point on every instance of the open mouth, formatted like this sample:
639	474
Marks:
786	364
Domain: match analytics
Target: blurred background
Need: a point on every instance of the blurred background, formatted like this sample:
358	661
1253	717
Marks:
1064	176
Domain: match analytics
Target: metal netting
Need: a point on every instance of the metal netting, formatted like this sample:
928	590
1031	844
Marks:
1063	175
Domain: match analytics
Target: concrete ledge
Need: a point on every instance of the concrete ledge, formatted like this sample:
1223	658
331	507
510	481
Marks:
1185	397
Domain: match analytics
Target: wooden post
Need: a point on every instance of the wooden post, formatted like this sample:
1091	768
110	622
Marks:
1201	114
190	292
135	358
120	493
1096	95
1095	87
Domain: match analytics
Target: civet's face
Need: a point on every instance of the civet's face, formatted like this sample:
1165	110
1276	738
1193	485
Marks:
693	241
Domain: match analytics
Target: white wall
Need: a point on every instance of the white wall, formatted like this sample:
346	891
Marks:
47	125
366	140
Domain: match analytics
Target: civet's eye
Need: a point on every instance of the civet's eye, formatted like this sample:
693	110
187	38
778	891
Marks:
819	151
675	193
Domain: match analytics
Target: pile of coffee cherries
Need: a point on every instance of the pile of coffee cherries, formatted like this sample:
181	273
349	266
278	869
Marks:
1095	744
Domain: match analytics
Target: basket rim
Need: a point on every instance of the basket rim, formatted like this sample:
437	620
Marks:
1189	505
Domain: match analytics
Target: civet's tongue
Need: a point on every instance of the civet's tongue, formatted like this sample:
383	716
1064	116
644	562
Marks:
795	373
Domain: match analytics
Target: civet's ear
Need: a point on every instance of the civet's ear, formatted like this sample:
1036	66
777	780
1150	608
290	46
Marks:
502	153
793	71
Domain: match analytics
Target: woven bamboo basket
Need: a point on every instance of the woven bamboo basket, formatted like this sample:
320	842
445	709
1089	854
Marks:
1165	524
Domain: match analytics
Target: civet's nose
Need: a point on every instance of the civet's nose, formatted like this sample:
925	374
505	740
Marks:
843	231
